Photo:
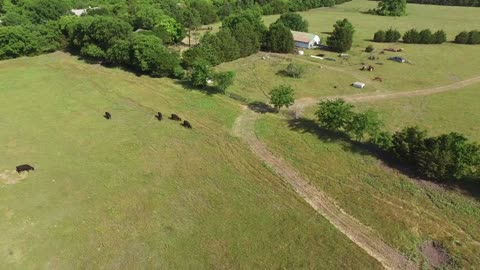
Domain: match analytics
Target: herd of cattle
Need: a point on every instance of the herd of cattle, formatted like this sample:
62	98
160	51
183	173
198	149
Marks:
108	116
159	117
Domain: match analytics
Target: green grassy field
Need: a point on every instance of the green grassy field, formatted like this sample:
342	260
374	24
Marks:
431	65
135	193
404	212
441	113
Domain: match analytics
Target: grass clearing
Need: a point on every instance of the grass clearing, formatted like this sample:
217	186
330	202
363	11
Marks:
135	193
441	113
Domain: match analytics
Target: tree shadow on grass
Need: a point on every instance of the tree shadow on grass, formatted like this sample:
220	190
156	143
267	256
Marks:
260	107
469	186
208	90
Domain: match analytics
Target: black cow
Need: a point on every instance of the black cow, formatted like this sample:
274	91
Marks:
186	124
175	117
107	116
24	167
159	116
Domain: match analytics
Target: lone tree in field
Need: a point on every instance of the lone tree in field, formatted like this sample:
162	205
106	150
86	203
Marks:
293	21
392	8
282	96
342	36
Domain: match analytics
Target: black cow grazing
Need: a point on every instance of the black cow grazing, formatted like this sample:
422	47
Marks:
186	124
175	117
24	167
107	116
159	116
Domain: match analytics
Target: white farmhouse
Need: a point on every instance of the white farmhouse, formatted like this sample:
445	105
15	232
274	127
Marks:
305	40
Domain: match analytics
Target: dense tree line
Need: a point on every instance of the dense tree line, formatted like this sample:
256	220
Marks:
472	37
445	157
391	35
464	3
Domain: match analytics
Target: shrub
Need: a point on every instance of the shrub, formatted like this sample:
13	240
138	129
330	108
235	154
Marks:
473	37
295	70
392	35
379	36
369	48
462	38
411	36
223	80
439	37
425	37
407	142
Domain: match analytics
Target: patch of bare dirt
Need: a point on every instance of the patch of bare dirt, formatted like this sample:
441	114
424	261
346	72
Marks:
11	177
435	254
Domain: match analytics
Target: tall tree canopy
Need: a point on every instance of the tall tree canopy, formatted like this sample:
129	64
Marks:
294	21
392	8
342	37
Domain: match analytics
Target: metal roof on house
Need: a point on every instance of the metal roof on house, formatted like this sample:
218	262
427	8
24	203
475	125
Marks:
302	36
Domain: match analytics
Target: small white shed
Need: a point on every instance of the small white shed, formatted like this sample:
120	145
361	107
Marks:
305	40
358	85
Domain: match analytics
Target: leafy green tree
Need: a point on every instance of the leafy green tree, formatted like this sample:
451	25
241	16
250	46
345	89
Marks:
439	37
383	140
462	38
248	29
392	8
334	114
228	45
16	41
362	124
45	10
407	143
200	74
119	53
282	96
207	11
411	36
342	36
223	80
294	21
174	28
146	17
448	156
279	39
191	20
295	70
379	36
392	35
149	56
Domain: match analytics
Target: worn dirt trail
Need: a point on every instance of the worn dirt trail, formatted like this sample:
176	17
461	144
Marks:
302	103
360	234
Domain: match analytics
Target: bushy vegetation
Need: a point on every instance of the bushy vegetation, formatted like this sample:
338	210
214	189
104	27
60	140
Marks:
342	36
425	36
472	37
445	157
295	70
391	35
391	8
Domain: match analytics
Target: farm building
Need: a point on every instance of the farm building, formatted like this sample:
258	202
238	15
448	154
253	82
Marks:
305	40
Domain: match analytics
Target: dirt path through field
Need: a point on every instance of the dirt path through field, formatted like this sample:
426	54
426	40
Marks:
360	234
302	103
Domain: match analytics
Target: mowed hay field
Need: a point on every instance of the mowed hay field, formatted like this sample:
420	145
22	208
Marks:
430	65
135	193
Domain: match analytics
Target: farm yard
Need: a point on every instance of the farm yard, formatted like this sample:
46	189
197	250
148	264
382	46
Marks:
240	189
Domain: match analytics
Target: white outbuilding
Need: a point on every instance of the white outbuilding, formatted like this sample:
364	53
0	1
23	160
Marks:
305	40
